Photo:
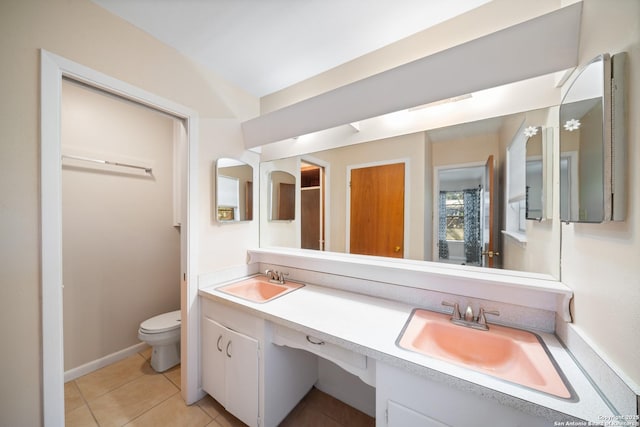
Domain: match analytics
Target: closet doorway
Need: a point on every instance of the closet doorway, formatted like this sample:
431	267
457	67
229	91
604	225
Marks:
312	206
54	68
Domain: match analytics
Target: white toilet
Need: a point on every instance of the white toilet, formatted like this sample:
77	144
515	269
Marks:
162	333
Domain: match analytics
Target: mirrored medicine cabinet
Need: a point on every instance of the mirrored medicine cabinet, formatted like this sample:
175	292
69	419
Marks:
593	143
233	191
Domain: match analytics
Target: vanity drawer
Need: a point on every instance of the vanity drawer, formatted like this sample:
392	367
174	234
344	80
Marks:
335	353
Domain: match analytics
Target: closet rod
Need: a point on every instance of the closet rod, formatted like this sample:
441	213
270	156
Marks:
107	162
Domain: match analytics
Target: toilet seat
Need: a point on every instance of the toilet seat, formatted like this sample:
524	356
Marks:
161	323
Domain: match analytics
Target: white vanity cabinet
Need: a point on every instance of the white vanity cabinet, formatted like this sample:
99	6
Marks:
231	360
230	369
255	380
406	400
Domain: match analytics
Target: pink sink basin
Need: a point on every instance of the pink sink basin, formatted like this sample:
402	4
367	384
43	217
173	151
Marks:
510	354
259	289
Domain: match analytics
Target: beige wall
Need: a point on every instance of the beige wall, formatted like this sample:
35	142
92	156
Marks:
87	34
600	262
410	147
121	252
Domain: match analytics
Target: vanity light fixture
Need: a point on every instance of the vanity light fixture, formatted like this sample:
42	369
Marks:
530	131
571	125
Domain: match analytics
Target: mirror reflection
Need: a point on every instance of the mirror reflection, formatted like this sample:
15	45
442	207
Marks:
234	191
534	174
436	195
282	196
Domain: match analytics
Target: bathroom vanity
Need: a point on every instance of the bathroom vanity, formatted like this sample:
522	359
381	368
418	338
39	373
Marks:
282	338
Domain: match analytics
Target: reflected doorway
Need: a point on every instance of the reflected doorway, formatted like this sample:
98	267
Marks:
465	215
312	206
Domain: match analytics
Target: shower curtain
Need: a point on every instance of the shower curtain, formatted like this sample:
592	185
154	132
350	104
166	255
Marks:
472	229
443	246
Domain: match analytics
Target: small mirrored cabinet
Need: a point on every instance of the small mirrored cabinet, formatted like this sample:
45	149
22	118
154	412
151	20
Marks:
538	173
234	191
282	196
593	143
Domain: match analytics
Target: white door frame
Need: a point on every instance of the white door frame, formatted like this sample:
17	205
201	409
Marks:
52	69
436	200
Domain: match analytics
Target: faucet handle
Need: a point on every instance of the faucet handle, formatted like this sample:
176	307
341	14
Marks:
456	309
482	319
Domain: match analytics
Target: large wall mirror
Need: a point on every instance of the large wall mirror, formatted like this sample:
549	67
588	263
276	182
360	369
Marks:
446	203
593	143
234	191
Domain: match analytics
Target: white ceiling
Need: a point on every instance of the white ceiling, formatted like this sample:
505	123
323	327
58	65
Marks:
266	45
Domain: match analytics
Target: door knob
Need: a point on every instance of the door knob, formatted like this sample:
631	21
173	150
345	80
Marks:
396	249
491	254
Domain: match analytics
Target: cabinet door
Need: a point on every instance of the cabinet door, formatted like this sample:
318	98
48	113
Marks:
401	416
241	353
213	359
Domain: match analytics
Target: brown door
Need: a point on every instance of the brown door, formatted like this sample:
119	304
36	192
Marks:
377	211
286	201
489	251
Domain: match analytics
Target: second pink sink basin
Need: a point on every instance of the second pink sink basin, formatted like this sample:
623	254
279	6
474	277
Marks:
259	289
511	354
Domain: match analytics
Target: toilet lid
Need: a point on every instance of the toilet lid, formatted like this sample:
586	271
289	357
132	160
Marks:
162	322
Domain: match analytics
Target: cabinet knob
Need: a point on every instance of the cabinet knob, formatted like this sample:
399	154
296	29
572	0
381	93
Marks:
218	343
228	348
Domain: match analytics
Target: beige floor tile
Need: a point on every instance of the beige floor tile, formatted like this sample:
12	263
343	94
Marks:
110	377
170	413
79	417
210	406
173	375
72	397
146	353
131	400
218	413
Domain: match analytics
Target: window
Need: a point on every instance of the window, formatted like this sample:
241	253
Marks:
454	211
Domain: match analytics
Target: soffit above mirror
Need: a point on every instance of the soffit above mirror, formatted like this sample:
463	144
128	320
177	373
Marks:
539	46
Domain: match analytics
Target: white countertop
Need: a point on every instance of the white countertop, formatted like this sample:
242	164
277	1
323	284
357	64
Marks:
371	326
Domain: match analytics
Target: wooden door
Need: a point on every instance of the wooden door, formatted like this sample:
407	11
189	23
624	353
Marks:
377	211
489	245
310	218
286	201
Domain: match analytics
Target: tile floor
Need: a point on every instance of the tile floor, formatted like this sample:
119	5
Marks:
130	393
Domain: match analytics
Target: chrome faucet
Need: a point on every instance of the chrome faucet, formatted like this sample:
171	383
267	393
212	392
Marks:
469	320
275	276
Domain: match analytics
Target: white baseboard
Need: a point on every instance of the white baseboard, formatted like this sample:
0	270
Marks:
94	365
